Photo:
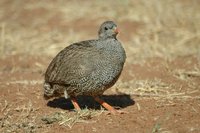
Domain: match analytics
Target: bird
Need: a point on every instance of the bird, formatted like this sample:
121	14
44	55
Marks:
87	68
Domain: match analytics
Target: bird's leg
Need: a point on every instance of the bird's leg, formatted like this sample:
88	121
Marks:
105	105
75	103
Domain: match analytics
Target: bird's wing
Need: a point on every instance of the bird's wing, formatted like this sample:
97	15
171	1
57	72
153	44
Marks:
72	64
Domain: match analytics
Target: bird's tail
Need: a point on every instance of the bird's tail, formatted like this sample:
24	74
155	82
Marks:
48	90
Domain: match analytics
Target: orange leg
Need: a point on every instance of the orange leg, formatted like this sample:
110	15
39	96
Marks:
75	103
105	105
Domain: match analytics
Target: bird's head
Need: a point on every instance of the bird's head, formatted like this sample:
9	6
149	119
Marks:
108	30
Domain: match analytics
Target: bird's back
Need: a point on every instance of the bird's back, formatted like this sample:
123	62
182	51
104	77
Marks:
88	67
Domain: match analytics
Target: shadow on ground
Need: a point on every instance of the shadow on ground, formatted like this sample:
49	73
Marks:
118	101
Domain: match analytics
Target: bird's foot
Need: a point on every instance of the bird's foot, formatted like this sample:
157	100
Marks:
109	108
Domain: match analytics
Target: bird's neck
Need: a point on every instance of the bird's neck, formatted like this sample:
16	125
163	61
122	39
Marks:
108	44
107	37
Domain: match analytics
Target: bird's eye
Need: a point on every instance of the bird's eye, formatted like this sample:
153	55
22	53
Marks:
106	28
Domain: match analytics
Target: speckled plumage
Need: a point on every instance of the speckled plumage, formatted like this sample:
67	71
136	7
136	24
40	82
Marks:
87	67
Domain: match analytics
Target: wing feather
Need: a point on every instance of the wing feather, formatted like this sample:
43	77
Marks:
72	64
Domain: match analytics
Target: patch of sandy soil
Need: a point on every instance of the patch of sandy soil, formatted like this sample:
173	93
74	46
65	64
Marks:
23	107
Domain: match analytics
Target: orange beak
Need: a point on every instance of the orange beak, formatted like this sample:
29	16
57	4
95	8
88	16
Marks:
116	30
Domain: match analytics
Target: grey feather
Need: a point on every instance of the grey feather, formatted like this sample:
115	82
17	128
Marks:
88	67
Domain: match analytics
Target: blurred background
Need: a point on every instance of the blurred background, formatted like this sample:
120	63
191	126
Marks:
167	28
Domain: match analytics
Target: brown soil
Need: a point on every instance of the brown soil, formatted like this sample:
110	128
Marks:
21	98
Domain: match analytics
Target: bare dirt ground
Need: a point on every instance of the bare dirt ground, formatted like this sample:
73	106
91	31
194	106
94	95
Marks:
159	87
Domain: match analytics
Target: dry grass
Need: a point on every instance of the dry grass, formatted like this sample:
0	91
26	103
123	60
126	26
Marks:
153	88
68	119
18	119
142	87
186	75
23	82
170	28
